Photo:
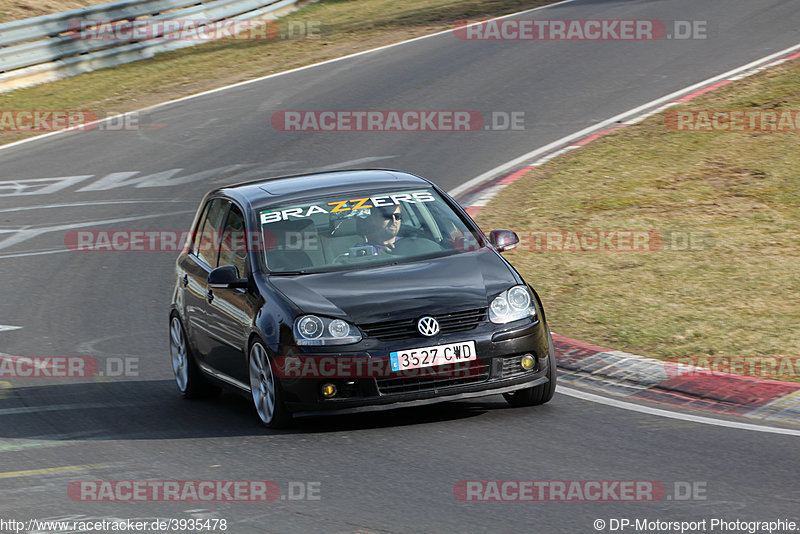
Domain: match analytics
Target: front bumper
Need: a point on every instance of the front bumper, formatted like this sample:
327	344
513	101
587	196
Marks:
496	371
442	397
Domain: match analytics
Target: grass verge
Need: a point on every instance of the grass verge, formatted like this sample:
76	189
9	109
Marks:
734	291
340	27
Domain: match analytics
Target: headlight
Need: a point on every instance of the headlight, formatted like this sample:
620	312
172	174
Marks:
511	305
313	330
309	327
339	329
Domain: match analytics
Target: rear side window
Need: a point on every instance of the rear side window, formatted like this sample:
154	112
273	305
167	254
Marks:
210	230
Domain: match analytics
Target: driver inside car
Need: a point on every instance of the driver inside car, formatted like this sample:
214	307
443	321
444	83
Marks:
382	226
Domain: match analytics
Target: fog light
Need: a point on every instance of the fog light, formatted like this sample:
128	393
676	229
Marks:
528	362
328	390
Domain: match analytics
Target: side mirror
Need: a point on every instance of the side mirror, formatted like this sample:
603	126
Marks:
503	239
226	277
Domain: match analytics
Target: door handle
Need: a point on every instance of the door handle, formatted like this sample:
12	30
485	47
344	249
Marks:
210	296
185	280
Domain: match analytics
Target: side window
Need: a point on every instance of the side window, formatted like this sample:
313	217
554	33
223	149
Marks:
233	247
208	246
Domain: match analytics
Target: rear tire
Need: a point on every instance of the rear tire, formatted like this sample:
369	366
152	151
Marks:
190	379
538	394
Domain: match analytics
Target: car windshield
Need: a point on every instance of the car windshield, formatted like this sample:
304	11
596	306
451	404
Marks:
362	229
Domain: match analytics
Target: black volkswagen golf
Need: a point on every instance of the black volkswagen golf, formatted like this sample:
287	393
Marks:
352	291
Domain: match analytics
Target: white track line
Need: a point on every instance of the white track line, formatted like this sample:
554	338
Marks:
672	415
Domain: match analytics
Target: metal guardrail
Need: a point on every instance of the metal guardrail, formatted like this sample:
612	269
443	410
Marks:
46	48
18	31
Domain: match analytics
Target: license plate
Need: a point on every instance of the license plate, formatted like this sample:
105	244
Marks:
435	355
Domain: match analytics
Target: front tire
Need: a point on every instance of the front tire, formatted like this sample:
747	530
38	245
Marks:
265	389
190	379
541	394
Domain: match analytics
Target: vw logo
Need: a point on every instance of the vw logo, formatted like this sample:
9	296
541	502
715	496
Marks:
428	326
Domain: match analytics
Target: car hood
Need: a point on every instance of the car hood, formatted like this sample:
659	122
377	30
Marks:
441	285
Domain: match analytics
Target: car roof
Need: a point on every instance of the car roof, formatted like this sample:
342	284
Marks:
254	194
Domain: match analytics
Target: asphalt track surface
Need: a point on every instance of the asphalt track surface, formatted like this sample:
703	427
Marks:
385	472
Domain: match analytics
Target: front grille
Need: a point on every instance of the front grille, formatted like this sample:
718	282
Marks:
427	379
406	328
